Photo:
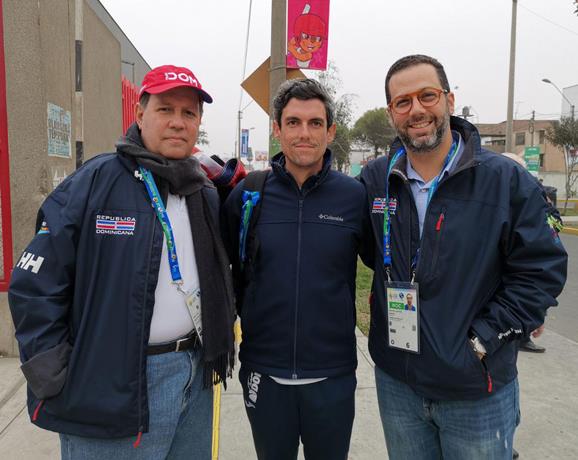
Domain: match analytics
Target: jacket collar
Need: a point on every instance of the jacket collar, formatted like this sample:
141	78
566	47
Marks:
278	167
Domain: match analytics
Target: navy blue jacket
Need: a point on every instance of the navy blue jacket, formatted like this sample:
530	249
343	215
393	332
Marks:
82	313
490	266
298	313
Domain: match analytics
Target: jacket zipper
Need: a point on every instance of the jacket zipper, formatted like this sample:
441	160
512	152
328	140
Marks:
299	224
141	427
37	410
490	384
439	226
408	189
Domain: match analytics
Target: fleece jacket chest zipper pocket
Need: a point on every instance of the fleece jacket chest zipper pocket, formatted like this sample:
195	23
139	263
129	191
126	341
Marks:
439	229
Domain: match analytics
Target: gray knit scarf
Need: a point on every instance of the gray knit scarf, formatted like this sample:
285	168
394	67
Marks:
186	178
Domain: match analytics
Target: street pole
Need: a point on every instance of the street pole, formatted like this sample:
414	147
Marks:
239	116
510	121
78	95
277	71
532	120
572	107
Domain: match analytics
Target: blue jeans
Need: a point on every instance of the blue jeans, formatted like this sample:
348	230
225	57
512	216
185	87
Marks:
180	416
421	429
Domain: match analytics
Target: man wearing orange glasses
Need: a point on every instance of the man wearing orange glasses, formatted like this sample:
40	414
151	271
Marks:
465	232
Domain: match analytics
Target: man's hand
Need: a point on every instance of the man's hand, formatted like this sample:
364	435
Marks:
538	332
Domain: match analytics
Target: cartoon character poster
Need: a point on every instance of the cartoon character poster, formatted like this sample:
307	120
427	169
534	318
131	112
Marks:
307	32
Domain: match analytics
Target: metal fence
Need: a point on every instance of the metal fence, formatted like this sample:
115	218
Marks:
129	100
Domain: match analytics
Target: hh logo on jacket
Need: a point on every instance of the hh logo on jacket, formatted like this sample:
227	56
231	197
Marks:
29	261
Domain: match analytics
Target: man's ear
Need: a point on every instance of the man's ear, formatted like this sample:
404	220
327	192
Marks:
276	130
389	115
451	102
138	114
331	133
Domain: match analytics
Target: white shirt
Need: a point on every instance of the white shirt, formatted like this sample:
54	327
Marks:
171	319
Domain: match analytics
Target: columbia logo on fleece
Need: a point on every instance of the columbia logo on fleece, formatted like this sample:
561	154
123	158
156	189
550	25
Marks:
329	217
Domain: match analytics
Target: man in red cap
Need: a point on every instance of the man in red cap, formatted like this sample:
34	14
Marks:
122	302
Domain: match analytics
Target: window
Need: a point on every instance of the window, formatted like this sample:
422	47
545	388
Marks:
541	136
542	158
520	138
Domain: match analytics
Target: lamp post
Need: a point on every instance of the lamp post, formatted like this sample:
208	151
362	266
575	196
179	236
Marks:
510	112
572	107
238	140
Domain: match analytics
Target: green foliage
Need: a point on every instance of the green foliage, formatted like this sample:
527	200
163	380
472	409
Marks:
564	134
203	138
373	130
363	289
341	145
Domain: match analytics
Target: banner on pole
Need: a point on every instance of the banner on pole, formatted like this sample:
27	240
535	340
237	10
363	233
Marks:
244	143
307	32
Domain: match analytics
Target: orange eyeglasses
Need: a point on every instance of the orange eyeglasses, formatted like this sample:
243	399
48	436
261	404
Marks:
427	97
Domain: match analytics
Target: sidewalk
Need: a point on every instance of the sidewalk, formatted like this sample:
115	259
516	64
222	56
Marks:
549	400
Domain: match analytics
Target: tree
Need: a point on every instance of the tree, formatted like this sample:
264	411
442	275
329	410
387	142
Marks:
203	138
564	134
373	130
341	145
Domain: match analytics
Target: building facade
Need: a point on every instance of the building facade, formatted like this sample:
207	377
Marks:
62	103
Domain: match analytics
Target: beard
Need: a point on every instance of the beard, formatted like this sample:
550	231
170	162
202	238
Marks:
428	143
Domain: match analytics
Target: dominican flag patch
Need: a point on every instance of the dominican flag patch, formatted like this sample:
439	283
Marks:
378	206
114	225
392	206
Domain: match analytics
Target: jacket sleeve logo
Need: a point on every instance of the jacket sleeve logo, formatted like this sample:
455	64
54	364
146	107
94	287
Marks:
30	261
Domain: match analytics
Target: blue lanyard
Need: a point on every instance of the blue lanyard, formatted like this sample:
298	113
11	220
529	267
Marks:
157	204
250	200
386	218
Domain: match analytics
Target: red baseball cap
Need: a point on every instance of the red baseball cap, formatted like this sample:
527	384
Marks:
165	77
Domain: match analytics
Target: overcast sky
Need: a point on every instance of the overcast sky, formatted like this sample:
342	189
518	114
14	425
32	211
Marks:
470	38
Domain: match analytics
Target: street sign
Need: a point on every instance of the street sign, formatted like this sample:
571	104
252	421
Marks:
532	158
257	84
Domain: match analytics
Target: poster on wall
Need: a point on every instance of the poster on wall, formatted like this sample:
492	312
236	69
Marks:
307	32
59	131
532	158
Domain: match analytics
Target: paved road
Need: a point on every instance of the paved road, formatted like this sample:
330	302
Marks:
563	319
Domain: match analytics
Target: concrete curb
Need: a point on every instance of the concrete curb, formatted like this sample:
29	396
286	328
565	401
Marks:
570	230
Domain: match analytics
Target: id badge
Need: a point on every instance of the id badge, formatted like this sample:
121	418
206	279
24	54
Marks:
403	315
193	301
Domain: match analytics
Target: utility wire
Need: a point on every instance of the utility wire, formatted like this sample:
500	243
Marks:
548	20
246	50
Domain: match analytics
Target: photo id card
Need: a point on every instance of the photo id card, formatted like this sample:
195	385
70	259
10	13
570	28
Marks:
403	315
193	301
